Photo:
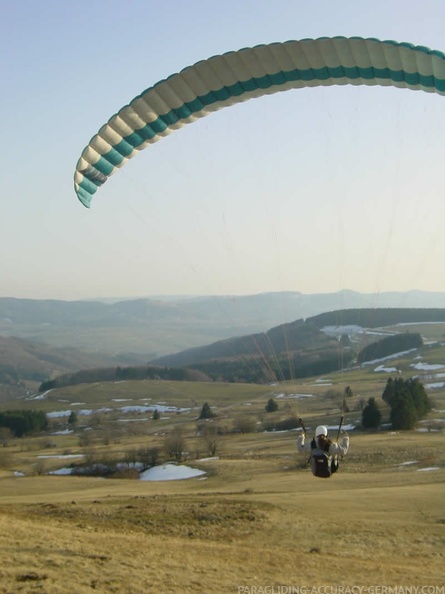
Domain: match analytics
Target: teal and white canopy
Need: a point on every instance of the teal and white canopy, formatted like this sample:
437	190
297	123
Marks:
231	78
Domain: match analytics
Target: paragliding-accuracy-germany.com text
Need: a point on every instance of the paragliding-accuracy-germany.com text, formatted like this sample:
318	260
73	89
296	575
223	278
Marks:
381	589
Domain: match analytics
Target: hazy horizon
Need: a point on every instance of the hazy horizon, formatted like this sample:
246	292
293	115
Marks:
179	296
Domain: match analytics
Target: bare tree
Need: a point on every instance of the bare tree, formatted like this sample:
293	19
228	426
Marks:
5	436
148	457
211	436
174	443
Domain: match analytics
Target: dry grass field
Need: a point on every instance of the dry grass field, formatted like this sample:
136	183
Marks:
257	521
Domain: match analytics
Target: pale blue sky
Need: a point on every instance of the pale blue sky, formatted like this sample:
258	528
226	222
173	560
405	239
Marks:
313	190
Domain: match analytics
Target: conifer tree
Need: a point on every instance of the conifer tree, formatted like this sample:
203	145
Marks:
371	415
271	405
206	412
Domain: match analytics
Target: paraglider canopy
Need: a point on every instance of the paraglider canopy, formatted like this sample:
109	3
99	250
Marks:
222	81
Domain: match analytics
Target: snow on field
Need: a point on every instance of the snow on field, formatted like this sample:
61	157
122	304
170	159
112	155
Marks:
170	472
84	412
385	369
426	366
344	427
124	409
435	385
393	356
293	396
62	432
166	472
417	323
162	408
41	396
61	471
339	330
429	469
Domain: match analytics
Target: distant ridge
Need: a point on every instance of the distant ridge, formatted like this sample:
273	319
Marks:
156	327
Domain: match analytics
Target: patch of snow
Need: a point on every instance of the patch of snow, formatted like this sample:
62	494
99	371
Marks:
59	413
385	369
293	396
339	330
429	469
86	412
408	463
61	471
434	385
133	420
62	432
152	407
170	472
121	399
344	427
393	356
18	473
417	323
41	396
426	366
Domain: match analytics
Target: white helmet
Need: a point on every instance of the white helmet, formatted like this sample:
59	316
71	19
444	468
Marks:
321	430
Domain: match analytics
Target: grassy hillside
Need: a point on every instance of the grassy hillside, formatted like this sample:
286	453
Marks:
25	364
256	519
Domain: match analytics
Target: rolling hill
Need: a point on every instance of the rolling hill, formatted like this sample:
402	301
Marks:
156	327
25	363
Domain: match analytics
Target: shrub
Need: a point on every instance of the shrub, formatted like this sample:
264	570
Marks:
244	424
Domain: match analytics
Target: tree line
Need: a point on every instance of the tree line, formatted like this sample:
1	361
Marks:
112	374
248	369
378	317
23	422
390	345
